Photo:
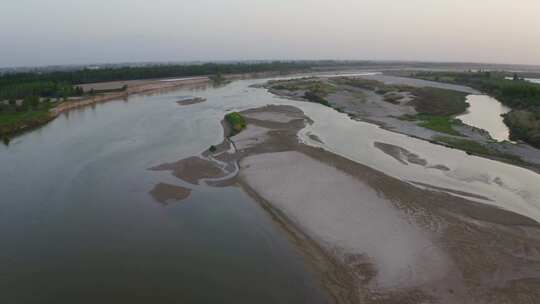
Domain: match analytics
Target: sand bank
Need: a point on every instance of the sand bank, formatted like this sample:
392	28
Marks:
164	193
190	101
373	238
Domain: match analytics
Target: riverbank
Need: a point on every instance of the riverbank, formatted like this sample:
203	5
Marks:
373	238
114	90
27	121
519	94
417	108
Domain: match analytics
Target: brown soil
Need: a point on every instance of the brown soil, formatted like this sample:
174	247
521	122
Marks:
190	101
164	193
192	169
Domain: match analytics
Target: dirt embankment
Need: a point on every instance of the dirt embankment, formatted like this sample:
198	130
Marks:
138	87
373	238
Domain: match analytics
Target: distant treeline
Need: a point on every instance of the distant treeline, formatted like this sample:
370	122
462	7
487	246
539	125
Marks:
517	94
62	83
520	95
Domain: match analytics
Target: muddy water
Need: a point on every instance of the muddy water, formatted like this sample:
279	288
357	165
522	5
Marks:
77	224
485	113
77	220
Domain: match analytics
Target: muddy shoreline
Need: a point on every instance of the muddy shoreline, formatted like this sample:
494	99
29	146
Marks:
427	245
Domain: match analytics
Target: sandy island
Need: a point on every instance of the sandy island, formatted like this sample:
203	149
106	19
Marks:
372	238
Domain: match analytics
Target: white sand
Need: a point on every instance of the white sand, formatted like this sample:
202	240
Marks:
250	136
345	214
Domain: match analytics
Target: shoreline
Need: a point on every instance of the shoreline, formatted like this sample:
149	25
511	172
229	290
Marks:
305	189
144	87
368	106
135	87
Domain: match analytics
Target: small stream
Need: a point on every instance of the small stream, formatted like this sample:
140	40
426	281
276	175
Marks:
485	113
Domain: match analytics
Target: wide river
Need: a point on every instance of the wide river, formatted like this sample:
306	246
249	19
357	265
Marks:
77	222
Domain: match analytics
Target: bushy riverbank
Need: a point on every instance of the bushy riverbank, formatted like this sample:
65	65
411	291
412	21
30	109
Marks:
520	95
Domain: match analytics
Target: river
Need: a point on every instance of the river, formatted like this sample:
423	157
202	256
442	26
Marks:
76	219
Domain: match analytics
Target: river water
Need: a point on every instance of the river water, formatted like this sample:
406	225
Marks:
485	113
77	222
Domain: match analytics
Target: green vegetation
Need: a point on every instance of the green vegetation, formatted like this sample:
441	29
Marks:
218	79
314	85
31	86
61	83
104	91
439	102
393	98
516	93
316	97
473	147
315	89
15	119
520	95
212	148
524	125
436	108
236	121
466	145
41	88
441	124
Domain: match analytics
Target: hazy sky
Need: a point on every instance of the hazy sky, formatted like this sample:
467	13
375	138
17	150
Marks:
44	32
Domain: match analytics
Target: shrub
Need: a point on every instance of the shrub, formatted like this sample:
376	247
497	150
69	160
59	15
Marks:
236	121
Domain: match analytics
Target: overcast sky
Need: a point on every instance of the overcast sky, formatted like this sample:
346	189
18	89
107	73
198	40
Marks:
45	32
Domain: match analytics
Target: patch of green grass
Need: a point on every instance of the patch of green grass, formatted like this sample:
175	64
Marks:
441	124
315	97
316	86
11	118
15	120
439	102
236	121
476	148
393	98
465	145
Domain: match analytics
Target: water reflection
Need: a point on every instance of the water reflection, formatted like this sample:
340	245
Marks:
485	113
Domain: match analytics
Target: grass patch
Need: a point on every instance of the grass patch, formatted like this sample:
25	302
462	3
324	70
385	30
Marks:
306	84
15	121
524	125
236	121
439	102
476	148
465	145
315	97
393	98
442	124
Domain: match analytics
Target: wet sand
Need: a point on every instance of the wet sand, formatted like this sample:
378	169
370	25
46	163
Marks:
192	170
370	237
190	101
165	193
